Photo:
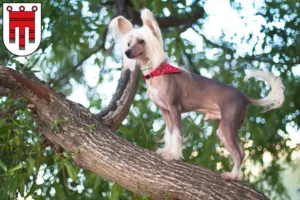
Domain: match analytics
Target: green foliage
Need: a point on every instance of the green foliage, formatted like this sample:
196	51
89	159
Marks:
75	44
57	123
91	127
19	148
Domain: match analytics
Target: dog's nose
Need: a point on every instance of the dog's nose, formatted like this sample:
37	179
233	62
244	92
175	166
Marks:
128	53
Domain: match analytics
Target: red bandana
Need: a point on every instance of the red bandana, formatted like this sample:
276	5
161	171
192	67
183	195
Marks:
164	68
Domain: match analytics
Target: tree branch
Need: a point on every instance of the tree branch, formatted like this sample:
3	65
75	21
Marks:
10	111
249	58
118	108
6	113
73	68
171	21
114	158
126	9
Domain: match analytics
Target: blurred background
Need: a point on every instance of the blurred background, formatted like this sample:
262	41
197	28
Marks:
219	39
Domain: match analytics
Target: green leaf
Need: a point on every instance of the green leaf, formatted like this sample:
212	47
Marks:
2	122
115	192
67	163
56	128
65	154
59	192
22	186
71	173
56	157
13	186
15	168
125	130
97	182
30	165
20	105
91	127
3	166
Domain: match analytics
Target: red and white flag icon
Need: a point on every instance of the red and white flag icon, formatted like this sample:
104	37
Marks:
22	27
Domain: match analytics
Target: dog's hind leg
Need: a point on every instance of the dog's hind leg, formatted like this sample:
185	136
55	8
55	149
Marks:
172	149
228	136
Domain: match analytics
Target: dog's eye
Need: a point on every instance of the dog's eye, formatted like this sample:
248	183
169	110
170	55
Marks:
128	44
140	41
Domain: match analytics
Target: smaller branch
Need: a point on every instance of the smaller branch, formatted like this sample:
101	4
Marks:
118	108
171	21
36	60
64	175
6	113
73	68
183	28
209	42
249	58
192	67
108	3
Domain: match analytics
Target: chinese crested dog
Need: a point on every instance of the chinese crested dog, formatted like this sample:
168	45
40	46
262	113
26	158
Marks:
175	92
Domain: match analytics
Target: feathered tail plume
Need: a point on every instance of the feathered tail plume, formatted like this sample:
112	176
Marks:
275	98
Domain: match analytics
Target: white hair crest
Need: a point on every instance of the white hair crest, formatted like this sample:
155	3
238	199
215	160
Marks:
122	30
119	27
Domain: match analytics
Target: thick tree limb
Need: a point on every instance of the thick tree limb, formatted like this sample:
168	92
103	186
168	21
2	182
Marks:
114	158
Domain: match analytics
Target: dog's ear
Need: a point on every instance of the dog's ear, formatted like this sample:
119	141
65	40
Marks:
120	25
149	20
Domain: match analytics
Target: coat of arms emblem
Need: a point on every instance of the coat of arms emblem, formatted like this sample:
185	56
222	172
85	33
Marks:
22	27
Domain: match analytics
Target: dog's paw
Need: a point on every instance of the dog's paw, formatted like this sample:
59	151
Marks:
230	176
169	155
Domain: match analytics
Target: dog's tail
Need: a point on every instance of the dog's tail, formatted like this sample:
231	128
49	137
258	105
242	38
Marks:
275	98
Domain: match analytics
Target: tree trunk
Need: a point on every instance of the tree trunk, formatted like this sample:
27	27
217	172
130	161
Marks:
101	151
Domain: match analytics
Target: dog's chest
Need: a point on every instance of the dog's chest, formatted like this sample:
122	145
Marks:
154	95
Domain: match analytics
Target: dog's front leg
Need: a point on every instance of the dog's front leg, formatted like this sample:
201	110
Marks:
172	149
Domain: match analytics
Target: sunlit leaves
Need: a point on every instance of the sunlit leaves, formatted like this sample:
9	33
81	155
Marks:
115	192
17	144
71	171
3	166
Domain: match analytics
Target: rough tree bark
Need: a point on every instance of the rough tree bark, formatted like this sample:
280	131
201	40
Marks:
101	151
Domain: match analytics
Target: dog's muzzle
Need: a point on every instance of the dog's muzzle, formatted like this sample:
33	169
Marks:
128	53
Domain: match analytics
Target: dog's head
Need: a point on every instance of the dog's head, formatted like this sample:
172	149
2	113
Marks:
143	44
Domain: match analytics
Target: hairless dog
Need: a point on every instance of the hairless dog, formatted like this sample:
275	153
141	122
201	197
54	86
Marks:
176	91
